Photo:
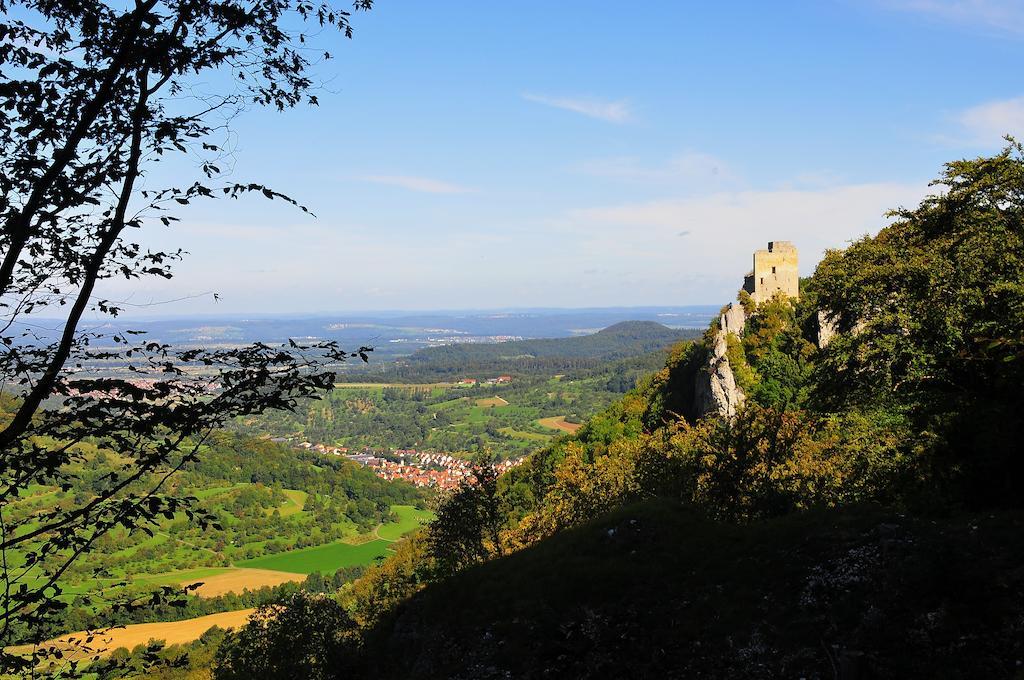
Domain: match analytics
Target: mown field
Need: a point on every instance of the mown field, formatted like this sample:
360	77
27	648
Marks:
559	423
220	581
171	632
183	576
295	500
324	558
490	402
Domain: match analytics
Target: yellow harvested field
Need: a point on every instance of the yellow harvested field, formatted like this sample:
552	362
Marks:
237	580
558	423
171	632
491	402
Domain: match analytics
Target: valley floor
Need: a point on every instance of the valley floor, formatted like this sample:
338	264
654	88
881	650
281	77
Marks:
285	567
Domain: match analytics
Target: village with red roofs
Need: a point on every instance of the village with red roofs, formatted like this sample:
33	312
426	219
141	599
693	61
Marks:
441	471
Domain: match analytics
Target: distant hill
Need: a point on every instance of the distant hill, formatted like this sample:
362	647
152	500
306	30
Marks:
622	340
627	338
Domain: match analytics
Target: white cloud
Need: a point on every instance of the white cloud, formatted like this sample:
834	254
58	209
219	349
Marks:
987	123
1002	16
618	111
692	167
420	184
724	228
676	250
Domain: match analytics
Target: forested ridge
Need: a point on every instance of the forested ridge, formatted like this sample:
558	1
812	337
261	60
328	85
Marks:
536	357
450	418
859	517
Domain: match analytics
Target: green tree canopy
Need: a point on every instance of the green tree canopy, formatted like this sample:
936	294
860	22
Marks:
932	318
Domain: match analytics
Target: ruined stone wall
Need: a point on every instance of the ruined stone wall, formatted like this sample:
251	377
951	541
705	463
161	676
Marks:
776	269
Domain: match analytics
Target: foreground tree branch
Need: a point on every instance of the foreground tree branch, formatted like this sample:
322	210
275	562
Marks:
85	109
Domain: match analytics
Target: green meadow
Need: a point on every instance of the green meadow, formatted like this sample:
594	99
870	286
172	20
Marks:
409	519
323	558
333	556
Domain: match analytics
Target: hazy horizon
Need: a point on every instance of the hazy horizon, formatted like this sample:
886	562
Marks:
128	318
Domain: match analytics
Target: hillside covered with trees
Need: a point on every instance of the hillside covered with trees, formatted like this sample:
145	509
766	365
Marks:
858	517
543	356
505	419
258	498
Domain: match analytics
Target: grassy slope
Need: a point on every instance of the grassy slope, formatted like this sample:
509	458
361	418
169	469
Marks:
333	556
653	591
294	503
324	558
409	519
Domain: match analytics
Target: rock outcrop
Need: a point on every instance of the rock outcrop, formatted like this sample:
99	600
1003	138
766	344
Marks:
716	390
827	328
733	319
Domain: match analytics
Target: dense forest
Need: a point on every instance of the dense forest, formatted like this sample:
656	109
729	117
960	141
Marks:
858	517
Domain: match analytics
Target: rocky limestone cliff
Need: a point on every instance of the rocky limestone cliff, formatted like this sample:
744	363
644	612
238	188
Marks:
733	319
827	328
716	390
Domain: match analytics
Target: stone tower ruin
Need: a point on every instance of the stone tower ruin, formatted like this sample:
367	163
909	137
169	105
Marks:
775	270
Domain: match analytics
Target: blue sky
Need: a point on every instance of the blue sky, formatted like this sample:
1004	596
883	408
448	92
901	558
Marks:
588	153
